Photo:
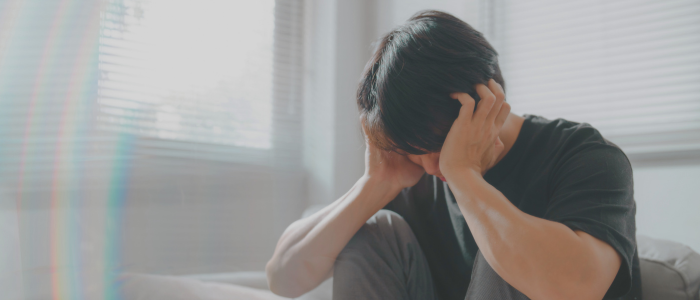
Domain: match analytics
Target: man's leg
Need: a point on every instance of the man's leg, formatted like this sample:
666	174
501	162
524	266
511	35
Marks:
486	284
383	261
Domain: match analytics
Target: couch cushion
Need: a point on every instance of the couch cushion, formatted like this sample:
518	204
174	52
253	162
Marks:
670	270
162	287
258	280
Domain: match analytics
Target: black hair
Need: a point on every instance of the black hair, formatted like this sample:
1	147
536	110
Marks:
404	94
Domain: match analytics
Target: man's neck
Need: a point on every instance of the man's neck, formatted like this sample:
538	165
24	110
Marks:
509	133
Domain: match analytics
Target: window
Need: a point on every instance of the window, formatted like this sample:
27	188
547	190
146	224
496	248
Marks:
197	78
101	100
629	68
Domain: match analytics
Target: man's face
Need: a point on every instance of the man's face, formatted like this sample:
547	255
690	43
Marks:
430	163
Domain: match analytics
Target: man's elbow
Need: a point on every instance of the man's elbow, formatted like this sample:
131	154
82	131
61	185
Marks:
590	275
276	281
281	283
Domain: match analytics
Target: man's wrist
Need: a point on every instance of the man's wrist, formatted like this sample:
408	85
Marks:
463	174
464	178
379	183
380	191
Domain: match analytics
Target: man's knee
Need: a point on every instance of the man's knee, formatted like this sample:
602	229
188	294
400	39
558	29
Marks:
385	257
384	230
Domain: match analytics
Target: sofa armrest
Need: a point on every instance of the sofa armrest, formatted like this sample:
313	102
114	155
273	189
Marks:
133	286
669	270
258	280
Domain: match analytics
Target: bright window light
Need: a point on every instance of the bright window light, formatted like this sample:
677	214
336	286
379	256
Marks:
188	70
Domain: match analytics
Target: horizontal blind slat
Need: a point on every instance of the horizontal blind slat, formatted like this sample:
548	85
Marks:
630	68
133	101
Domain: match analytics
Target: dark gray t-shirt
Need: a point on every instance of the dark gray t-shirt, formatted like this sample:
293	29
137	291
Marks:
557	170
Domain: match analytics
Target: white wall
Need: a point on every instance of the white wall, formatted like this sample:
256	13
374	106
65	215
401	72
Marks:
338	46
668	202
319	88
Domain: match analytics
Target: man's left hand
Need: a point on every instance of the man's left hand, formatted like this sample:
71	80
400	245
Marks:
473	142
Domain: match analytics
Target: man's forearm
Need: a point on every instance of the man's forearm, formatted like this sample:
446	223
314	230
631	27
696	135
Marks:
307	250
541	258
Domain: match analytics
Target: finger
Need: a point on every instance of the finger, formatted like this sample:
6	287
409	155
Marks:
468	104
495	86
488	99
502	116
500	97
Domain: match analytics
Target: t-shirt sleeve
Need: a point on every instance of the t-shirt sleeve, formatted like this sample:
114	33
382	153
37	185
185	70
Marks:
592	191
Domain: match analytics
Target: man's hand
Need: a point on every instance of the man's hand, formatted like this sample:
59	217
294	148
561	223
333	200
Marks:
306	252
391	168
473	143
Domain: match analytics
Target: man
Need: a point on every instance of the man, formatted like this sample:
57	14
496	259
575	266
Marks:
479	203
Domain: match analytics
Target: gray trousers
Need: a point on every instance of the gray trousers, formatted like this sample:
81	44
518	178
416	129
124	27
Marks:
384	261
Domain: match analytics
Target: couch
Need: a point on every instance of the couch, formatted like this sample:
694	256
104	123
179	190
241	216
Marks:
670	271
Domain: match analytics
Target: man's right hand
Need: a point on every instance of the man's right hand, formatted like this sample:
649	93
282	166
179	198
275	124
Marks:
391	168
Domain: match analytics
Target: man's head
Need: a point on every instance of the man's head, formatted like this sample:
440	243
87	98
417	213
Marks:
404	95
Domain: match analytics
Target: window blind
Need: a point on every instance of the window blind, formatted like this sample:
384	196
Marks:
206	79
629	68
92	129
